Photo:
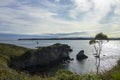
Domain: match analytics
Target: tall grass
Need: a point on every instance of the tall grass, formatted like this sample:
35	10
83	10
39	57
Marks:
113	74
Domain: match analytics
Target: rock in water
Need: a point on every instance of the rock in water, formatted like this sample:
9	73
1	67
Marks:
81	55
34	60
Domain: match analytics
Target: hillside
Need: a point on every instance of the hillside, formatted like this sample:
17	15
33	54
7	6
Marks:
7	51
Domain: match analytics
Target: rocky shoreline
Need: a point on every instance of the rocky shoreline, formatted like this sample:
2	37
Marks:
41	58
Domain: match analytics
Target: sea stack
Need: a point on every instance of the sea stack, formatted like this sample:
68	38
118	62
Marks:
81	55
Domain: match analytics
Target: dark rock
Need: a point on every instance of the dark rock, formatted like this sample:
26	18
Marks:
35	60
71	59
81	55
97	56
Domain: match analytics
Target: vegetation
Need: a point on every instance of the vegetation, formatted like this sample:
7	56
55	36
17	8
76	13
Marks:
6	73
98	42
113	74
6	52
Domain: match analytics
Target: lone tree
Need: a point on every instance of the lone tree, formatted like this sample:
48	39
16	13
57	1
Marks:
98	41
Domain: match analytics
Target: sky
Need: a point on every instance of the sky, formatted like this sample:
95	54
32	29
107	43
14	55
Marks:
69	17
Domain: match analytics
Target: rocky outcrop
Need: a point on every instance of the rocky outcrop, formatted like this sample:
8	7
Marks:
81	55
42	57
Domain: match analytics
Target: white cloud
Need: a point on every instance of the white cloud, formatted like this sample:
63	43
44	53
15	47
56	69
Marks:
92	10
86	15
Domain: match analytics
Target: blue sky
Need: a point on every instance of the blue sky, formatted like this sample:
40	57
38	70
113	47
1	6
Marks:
86	17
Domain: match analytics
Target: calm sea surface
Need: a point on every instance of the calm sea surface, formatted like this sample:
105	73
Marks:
111	52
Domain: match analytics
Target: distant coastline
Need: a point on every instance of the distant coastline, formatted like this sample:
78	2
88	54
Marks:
70	38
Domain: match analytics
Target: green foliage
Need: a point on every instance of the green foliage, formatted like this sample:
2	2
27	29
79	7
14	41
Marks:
9	74
92	42
7	51
67	75
99	40
101	36
116	75
113	74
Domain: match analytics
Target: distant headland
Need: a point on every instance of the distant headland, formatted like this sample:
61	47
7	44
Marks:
67	38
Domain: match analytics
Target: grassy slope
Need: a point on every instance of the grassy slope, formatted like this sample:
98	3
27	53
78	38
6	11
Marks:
8	50
6	73
113	74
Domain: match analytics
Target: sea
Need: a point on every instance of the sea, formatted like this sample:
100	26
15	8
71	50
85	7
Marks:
109	55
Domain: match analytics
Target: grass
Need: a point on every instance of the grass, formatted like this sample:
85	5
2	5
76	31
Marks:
7	51
113	74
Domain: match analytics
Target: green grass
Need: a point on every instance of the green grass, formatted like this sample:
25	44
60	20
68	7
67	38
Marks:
113	74
7	51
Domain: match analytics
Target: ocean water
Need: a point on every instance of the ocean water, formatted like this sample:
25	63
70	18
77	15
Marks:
109	55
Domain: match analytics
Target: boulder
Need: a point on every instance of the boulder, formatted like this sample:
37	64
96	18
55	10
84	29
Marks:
35	60
81	55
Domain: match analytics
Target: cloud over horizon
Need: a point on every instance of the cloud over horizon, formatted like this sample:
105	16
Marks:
60	16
